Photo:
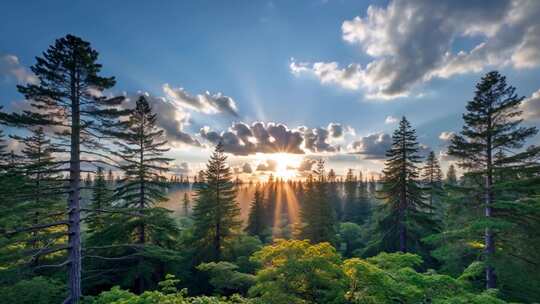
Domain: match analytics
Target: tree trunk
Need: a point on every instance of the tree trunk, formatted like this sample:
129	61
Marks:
488	234
403	201
74	228
217	241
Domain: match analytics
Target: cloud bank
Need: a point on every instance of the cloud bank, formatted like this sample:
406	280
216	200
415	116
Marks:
413	41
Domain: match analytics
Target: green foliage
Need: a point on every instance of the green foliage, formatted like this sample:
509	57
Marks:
226	278
317	213
101	200
38	290
298	272
357	202
119	296
350	235
389	278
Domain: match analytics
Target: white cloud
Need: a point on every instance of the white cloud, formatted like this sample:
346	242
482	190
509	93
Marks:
206	103
447	135
350	77
170	117
413	41
11	67
531	106
180	168
390	120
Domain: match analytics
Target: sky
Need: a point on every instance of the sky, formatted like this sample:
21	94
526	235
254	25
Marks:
282	83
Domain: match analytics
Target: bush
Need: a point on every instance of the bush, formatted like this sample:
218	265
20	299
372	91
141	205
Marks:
38	290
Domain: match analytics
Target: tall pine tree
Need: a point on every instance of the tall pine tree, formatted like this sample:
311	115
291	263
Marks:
406	219
491	123
146	231
68	98
216	211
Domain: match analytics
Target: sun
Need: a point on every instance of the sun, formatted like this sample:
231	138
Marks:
286	164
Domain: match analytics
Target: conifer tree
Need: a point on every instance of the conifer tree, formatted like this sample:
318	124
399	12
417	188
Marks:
101	200
350	187
216	211
143	163
317	213
451	176
357	204
256	225
68	97
110	179
145	231
405	212
491	123
30	199
432	179
185	203
333	194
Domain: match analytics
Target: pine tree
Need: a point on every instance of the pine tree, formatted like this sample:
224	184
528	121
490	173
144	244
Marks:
432	179
451	176
357	204
145	230
216	211
491	123
101	201
317	213
185	203
66	98
143	164
31	200
333	194
405	216
110	179
256	219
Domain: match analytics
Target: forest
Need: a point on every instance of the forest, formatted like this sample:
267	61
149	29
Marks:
82	218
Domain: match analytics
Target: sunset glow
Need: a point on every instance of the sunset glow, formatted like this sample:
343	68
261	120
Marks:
284	165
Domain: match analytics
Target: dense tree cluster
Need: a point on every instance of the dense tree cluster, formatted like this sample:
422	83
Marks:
82	209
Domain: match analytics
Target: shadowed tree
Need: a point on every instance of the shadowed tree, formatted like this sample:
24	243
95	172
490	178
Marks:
216	211
317	213
432	179
451	176
256	219
185	203
101	200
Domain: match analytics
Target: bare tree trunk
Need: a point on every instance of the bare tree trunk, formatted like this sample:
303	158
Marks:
488	234
74	228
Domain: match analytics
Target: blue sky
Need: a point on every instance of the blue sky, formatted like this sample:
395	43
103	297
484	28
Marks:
248	51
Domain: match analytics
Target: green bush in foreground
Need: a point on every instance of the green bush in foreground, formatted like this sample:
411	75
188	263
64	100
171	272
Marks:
297	272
